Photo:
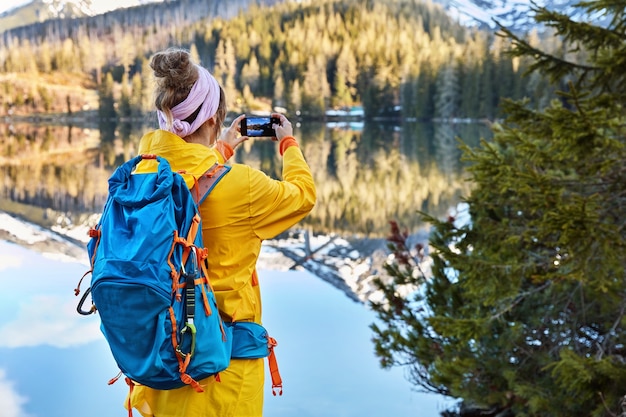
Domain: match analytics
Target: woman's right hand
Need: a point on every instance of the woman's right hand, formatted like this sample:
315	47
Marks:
284	128
230	135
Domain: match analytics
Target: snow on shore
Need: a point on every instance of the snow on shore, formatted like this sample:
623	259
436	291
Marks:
328	257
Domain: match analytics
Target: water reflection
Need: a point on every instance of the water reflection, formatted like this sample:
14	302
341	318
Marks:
12	401
55	363
366	174
50	359
27	319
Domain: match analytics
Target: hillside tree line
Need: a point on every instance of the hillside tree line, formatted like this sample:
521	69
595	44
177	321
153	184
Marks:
402	58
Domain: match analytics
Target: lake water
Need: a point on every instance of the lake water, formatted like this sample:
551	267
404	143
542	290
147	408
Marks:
55	363
366	174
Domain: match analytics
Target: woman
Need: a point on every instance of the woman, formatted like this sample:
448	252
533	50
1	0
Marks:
244	208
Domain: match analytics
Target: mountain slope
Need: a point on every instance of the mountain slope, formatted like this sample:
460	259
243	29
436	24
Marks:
514	14
50	20
41	10
37	11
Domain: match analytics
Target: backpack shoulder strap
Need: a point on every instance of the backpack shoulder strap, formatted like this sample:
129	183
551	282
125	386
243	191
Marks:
207	181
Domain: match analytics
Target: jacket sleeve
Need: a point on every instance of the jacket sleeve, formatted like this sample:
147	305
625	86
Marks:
277	205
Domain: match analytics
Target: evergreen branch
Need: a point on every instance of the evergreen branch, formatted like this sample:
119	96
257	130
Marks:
552	65
609	7
606	406
520	297
592	36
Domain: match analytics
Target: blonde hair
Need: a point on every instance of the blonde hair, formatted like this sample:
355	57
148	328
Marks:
175	74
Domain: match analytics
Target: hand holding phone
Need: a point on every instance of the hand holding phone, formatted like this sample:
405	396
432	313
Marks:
259	126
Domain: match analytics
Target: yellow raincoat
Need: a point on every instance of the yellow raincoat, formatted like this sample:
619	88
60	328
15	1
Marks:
244	208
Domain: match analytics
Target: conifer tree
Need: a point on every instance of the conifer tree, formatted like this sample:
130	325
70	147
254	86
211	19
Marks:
295	97
107	120
345	79
278	99
136	98
106	98
225	69
524	311
250	74
448	94
315	87
126	94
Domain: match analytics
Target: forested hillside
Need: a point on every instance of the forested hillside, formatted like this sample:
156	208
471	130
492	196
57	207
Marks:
401	58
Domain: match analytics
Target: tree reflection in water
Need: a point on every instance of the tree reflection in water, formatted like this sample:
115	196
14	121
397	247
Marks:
365	174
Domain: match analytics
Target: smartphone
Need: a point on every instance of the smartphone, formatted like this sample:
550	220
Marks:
258	126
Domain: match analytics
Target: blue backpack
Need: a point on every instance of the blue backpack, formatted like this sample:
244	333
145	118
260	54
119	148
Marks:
149	280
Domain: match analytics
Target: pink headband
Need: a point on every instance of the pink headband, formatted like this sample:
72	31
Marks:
206	93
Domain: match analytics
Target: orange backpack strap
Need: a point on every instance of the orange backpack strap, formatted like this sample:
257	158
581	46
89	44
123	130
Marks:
204	185
277	381
250	340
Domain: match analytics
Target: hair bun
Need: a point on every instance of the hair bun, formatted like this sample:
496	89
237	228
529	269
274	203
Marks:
173	69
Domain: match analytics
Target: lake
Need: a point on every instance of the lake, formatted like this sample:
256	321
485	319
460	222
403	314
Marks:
366	173
54	362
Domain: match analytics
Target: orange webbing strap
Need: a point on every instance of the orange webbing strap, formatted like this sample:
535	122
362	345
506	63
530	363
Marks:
193	232
174	272
255	278
191	237
207	308
202	254
185	377
182	365
192	382
131	385
207	180
194	190
277	381
174	331
188	242
94	232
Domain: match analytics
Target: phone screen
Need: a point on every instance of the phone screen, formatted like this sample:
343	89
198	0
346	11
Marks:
258	126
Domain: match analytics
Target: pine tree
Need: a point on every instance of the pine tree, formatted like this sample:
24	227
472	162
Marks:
295	97
524	312
225	69
107	121
448	95
250	74
345	79
278	99
106	98
315	88
136	97
125	103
